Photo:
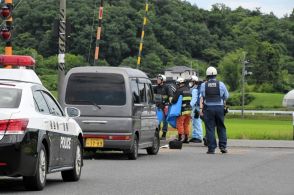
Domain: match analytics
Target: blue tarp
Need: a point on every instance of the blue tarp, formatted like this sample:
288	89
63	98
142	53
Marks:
160	115
174	112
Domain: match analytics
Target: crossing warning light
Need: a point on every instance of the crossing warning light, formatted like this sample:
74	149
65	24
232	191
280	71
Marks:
6	11
5	34
17	60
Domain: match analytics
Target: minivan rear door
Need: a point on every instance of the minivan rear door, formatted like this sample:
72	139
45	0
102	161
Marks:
102	100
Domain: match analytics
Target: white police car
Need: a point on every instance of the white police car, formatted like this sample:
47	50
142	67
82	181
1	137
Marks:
36	136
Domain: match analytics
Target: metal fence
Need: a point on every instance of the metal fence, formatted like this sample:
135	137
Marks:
269	112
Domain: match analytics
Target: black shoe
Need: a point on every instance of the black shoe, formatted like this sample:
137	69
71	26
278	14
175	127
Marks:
185	141
205	141
195	140
210	152
180	137
223	150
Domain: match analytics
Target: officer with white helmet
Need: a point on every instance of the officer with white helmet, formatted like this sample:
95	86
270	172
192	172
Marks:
195	102
213	96
166	94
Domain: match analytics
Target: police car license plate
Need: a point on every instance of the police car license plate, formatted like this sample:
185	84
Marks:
94	143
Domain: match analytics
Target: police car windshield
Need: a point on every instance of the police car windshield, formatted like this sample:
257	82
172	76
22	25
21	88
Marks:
10	97
96	89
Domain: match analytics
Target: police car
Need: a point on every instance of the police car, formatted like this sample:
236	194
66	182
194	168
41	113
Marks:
36	136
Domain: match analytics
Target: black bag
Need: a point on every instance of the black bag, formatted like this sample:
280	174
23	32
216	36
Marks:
175	144
226	110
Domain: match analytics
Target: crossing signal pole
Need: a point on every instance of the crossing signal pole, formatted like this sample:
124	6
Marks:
6	14
98	35
61	43
142	34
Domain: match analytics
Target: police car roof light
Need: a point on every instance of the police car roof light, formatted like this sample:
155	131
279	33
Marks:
17	60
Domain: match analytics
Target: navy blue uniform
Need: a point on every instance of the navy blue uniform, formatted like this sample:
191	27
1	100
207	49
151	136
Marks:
214	94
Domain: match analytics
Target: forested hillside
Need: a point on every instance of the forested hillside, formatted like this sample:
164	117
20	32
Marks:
178	33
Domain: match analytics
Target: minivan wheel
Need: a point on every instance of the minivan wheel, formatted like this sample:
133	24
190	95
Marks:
133	153
156	144
75	173
38	181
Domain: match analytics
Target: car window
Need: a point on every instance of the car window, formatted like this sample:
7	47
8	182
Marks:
96	88
149	94
41	103
135	91
142	92
52	104
10	97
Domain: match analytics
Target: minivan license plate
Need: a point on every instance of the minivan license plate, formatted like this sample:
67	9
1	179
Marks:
94	143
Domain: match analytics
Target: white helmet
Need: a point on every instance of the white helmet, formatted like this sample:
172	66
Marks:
211	71
180	80
161	77
194	78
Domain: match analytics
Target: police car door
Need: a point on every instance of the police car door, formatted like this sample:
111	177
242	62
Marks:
50	127
65	140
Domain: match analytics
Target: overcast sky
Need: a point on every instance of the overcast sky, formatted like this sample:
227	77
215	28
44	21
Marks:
278	7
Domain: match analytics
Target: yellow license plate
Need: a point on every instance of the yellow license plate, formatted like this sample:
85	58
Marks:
94	143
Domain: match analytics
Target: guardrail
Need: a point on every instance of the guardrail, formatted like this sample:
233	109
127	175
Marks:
271	112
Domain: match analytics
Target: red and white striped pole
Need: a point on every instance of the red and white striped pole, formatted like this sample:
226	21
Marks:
98	35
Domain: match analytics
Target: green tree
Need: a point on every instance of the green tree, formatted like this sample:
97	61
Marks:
231	69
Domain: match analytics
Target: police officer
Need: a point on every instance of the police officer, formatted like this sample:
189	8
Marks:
183	121
166	94
195	102
214	94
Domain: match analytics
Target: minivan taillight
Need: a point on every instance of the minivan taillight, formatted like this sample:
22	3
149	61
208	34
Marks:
14	125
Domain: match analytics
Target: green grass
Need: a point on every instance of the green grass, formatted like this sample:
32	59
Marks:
264	101
260	129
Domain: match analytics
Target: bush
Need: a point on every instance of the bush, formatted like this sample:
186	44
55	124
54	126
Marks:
236	99
264	88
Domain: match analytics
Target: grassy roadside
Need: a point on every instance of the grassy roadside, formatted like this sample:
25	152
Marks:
257	129
263	101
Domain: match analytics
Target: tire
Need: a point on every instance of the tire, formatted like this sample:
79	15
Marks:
156	144
75	173
133	153
38	181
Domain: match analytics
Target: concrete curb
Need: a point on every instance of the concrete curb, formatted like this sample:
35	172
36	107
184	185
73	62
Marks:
245	143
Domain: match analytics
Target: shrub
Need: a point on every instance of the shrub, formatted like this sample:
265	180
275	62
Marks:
236	99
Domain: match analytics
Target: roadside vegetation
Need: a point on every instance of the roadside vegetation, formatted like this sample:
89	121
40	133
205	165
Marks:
257	127
177	34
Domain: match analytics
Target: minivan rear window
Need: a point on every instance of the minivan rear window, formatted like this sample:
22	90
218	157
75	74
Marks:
10	97
96	89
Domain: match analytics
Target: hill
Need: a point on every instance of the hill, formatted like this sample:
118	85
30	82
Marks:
177	33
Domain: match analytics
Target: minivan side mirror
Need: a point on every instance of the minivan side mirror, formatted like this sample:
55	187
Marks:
72	112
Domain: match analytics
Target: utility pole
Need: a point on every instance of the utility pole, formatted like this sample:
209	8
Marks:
142	34
243	83
61	43
98	35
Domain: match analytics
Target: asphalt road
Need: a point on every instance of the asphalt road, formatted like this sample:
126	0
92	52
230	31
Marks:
187	171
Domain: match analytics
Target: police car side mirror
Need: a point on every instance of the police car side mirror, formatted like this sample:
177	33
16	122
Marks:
72	112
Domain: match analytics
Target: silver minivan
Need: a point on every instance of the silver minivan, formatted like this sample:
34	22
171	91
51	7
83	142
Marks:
117	108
